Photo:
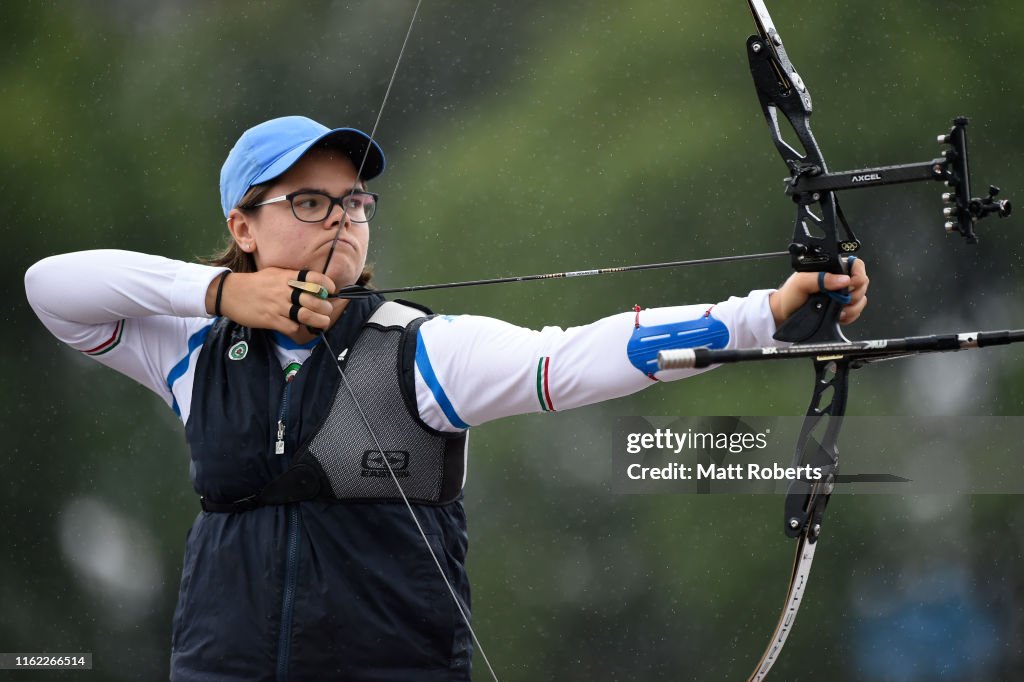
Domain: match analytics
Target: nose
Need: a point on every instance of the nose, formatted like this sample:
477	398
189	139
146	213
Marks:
336	215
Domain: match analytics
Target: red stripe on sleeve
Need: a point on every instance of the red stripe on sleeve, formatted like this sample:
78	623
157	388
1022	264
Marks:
112	339
547	392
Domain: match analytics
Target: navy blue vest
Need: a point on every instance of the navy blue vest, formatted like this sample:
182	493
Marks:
314	590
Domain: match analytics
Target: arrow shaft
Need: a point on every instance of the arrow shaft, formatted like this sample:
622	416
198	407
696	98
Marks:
359	292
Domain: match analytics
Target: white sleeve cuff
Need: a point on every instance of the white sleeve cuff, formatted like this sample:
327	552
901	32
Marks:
188	292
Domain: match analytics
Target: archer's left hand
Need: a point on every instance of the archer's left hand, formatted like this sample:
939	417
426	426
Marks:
794	292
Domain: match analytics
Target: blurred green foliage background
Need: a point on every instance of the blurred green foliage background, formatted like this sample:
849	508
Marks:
531	137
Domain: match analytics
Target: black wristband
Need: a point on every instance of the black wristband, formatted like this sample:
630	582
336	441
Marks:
220	292
302	275
293	314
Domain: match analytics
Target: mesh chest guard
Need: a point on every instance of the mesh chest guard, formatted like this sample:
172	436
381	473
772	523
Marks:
341	461
379	367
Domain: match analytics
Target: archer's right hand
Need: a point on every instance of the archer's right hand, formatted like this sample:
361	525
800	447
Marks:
264	300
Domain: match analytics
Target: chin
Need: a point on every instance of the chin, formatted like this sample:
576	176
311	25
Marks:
344	277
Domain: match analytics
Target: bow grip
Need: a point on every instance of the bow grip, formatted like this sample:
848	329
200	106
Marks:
817	320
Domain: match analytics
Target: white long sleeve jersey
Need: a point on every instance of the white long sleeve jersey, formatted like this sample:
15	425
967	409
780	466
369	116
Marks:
145	317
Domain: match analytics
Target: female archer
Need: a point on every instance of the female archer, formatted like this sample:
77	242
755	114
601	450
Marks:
317	424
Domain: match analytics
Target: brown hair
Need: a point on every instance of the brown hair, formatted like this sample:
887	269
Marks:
232	257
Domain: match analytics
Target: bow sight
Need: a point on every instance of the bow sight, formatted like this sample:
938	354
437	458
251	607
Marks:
963	212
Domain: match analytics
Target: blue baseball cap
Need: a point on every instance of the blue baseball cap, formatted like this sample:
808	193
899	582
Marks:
267	150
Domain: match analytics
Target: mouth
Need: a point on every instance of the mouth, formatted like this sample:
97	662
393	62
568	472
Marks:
341	241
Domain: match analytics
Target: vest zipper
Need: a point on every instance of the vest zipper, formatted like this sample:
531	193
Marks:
282	413
291	570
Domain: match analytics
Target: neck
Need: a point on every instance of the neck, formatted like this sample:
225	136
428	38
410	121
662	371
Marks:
338	306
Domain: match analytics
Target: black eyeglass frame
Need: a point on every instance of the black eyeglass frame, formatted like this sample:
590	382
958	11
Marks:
333	201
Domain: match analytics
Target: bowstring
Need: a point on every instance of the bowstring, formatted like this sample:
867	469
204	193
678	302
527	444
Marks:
419	527
373	130
459	605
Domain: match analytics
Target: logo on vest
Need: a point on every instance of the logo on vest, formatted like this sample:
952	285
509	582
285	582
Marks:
375	466
238	351
291	370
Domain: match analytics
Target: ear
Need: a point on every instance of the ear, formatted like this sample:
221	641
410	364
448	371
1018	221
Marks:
240	227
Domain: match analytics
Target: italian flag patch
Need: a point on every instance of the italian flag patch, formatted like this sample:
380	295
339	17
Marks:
543	392
110	343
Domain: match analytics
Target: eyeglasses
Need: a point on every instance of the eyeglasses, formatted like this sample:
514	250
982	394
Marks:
313	207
